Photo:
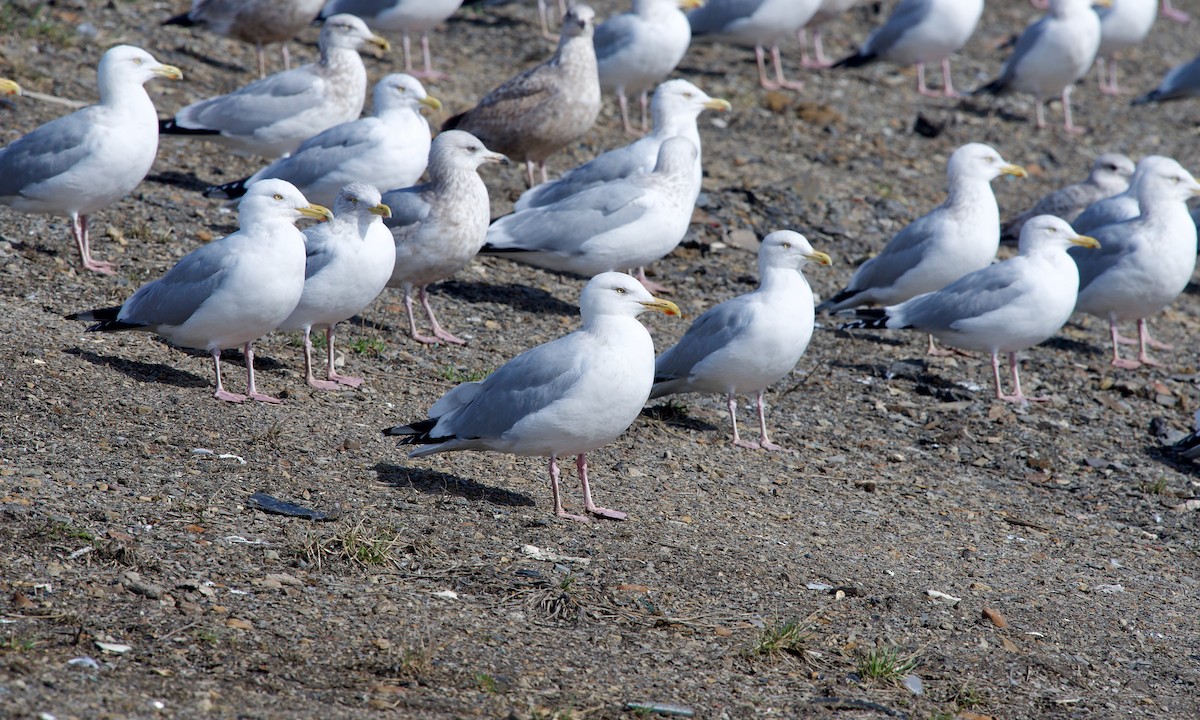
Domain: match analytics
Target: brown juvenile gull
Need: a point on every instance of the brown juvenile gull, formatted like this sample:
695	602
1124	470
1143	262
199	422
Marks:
750	341
87	160
1110	175
440	225
261	22
229	292
567	397
540	111
272	116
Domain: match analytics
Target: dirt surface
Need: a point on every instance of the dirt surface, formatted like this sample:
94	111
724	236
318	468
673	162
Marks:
744	584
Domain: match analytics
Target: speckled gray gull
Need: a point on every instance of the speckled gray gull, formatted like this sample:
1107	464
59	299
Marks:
231	291
827	11
622	224
408	17
1003	308
86	161
348	262
388	149
1182	81
1146	262
440	225
749	342
1051	55
1109	176
260	22
919	32
272	116
1115	208
758	24
676	106
542	110
1123	25
637	50
957	237
567	397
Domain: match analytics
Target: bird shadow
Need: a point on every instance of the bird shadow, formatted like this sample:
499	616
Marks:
867	336
676	415
1058	342
916	371
235	68
183	181
518	297
434	482
359	321
985	111
145	372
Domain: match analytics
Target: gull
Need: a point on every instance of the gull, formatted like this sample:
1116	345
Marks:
1168	11
272	116
261	22
638	49
409	17
540	111
1123	25
1115	208
9	87
88	160
751	341
389	149
754	23
675	107
348	263
1002	308
1146	262
569	396
440	225
957	237
622	224
229	292
1109	176
1182	81
828	10
919	32
1051	55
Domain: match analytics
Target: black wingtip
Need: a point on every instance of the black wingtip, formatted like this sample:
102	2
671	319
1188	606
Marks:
228	191
170	127
868	318
841	297
1146	99
490	249
856	60
454	122
416	433
995	87
182	20
105	320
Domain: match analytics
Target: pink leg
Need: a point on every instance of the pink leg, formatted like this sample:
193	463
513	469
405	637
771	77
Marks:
651	286
1067	124
818	59
761	56
529	167
819	50
1040	112
1145	341
1107	68
412	321
1168	11
922	88
644	101
333	374
222	393
79	227
935	351
947	83
309	377
408	66
782	81
1117	360
593	508
542	166
623	104
764	441
428	73
262	59
737	438
438	332
1016	379
287	57
251	392
556	492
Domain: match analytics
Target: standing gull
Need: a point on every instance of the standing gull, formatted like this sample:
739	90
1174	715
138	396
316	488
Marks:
272	116
540	111
1051	55
919	32
957	237
828	10
88	160
1182	81
749	342
389	149
261	22
622	224
1146	262
1003	308
1123	25
567	397
1115	208
675	107
348	263
754	23
409	17
638	49
440	225
231	291
1110	175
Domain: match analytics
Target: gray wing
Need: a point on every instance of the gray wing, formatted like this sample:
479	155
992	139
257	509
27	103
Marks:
365	9
716	329
1106	212
614	35
903	253
319	155
409	206
1180	82
176	296
1115	245
258	104
48	151
613	165
971	296
1026	44
566	225
320	246
528	383
1066	203
907	15
716	16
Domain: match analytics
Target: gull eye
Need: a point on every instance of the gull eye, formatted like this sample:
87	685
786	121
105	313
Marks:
277	196
472	148
138	61
785	246
354	200
620	291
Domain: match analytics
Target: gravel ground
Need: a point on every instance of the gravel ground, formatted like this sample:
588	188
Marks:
745	584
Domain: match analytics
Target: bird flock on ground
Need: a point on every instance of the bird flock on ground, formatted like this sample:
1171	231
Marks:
1120	245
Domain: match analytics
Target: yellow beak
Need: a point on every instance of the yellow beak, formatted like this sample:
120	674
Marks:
1102	3
382	210
1086	241
8	87
380	43
1014	170
316	212
666	307
820	258
718	104
170	72
431	102
690	4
